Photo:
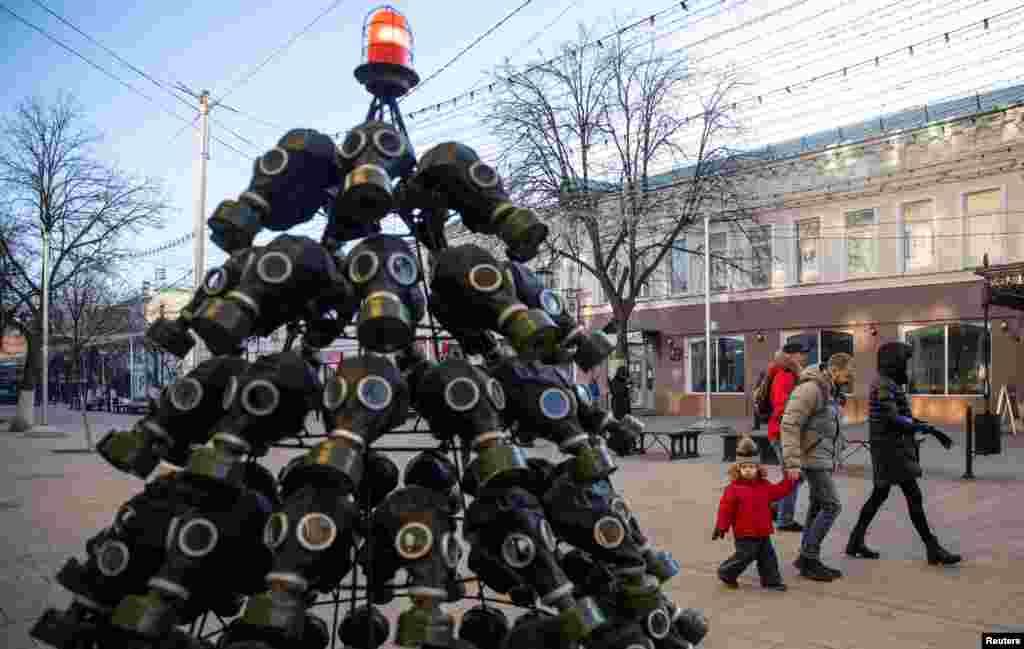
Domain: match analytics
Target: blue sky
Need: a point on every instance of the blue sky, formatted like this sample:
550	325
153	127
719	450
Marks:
773	43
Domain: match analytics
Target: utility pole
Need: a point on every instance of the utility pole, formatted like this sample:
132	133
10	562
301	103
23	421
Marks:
199	261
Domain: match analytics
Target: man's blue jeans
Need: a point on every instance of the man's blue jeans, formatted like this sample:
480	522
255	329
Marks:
786	507
822	511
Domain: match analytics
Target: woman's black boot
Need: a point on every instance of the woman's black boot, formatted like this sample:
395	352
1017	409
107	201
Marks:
937	554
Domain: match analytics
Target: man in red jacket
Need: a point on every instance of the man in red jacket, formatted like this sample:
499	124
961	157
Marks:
783	374
745	509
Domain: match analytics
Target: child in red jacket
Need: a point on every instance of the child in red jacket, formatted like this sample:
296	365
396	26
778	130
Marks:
745	509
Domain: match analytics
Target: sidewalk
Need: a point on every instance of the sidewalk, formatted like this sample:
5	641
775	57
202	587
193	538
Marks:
51	503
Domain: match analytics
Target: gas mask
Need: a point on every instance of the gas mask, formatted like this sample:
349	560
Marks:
208	546
587	350
267	402
185	415
173	336
432	470
513	543
589	517
373	155
470	291
384	274
276	282
659	563
689	623
456	397
541	401
475	191
287	188
311	537
413	529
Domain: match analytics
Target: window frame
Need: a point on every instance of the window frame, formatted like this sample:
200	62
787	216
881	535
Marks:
905	237
691	340
769	264
799	252
720	263
965	229
908	328
861	232
685	255
787	333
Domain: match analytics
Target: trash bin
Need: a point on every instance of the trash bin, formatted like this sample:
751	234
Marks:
987	434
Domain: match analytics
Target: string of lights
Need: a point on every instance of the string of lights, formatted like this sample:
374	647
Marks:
164	247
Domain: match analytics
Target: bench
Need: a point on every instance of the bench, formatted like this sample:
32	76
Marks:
730	440
682	445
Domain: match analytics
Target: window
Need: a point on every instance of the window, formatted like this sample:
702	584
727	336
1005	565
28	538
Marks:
918	235
822	343
861	242
727	366
719	255
948	358
760	256
808	234
983	212
678	268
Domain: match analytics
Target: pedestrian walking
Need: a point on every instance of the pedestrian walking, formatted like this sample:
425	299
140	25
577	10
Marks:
744	508
894	457
810	427
620	388
783	374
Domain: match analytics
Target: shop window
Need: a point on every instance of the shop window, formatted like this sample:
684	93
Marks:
822	343
948	359
727	364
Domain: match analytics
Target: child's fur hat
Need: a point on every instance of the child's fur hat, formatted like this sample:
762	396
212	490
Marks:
747	453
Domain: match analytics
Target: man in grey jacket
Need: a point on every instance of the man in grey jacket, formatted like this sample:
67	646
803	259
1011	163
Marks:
810	425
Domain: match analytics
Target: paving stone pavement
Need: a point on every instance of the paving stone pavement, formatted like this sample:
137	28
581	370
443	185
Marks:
52	502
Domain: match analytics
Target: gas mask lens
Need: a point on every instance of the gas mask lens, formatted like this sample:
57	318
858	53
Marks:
374	393
550	302
274	161
335	392
197	538
555	403
112	558
413	541
658	623
462	394
316	531
276	530
353	144
485	278
260	398
186	394
518	550
451	550
274	267
230	393
483	175
389	143
216	281
609	532
403	268
497	393
363	267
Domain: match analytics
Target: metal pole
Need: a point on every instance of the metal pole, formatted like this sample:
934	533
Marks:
46	323
988	352
131	368
199	235
707	316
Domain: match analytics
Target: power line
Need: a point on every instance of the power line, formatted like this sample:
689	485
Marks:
106	72
245	79
469	47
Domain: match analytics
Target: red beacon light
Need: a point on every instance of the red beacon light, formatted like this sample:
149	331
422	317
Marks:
387	52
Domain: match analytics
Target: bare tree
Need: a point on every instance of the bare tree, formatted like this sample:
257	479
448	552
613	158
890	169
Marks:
54	188
586	133
89	310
